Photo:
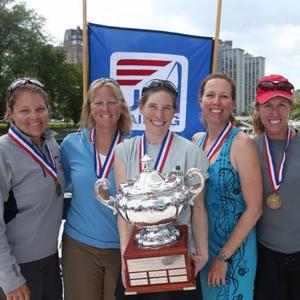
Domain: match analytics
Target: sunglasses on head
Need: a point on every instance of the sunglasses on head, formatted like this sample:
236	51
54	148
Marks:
103	80
158	83
23	81
272	85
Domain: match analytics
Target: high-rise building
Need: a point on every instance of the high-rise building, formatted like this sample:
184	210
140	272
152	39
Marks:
245	69
73	45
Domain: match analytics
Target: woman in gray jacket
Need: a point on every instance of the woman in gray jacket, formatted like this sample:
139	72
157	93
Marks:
31	197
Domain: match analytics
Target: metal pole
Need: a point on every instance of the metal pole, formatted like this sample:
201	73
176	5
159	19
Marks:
216	38
85	58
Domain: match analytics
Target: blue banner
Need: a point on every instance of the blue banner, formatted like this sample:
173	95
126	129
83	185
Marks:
133	57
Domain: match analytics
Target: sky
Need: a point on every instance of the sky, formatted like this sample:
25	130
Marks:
265	28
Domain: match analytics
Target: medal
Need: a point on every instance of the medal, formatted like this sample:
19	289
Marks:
103	171
275	176
47	162
163	152
219	141
274	201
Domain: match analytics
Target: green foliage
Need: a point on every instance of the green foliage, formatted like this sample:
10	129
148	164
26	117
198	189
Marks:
296	110
26	52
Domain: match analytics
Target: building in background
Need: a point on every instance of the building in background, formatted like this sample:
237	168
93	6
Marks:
73	45
245	69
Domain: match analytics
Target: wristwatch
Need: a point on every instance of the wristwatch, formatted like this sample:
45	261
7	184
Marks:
222	257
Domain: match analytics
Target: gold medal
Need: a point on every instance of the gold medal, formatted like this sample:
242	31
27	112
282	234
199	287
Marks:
274	201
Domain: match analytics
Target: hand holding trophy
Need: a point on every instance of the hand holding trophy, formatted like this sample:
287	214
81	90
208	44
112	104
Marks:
157	256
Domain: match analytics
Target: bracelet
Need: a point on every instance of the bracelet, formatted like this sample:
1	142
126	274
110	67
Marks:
222	257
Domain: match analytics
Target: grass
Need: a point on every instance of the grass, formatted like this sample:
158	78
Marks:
56	126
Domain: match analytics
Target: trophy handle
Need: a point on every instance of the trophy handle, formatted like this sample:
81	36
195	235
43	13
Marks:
195	189
101	188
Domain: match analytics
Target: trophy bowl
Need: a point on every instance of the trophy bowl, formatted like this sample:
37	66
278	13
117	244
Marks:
153	202
157	256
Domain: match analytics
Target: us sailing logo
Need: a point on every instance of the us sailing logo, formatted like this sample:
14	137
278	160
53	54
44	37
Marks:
133	70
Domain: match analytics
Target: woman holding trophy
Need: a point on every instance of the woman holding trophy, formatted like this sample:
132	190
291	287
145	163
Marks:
91	248
168	150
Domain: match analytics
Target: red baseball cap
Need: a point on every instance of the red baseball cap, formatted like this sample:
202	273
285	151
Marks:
271	86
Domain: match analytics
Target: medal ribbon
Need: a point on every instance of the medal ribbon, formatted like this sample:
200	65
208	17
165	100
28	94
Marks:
163	152
38	156
219	141
103	171
276	179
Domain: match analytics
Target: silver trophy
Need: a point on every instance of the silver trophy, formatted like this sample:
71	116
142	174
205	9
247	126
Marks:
152	202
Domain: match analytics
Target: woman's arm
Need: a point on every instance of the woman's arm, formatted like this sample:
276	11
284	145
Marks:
200	232
125	229
245	160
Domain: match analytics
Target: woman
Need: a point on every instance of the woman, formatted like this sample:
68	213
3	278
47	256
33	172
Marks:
158	106
233	195
278	269
91	247
31	197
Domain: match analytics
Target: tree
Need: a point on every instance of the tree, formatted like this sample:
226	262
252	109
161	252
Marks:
20	30
296	110
26	52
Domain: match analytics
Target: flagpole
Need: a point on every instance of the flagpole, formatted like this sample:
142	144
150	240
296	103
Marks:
216	39
84	50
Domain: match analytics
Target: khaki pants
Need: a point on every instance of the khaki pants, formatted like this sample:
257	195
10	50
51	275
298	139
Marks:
89	273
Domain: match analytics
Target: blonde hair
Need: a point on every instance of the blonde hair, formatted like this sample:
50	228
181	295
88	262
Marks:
87	120
257	123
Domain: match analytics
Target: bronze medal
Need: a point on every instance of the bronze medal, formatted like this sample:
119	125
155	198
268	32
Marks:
274	201
101	191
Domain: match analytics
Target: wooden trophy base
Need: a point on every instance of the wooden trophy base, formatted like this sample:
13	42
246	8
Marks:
164	269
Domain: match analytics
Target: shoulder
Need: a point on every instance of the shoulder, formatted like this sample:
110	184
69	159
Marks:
197	136
242	140
4	140
243	148
73	138
183	142
6	146
127	144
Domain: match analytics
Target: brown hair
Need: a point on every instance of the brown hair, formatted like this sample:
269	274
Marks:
145	96
220	76
87	121
13	95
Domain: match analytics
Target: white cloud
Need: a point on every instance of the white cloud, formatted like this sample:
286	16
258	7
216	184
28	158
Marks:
263	28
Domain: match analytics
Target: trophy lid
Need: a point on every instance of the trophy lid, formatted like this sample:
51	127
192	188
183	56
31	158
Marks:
150	181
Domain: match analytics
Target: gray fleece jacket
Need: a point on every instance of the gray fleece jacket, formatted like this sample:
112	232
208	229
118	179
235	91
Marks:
30	209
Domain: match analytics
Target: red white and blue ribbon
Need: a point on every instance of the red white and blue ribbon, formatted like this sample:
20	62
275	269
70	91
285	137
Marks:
276	177
103	171
219	141
163	152
47	164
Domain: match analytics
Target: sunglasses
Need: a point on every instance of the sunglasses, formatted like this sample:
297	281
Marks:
103	80
159	83
21	82
272	85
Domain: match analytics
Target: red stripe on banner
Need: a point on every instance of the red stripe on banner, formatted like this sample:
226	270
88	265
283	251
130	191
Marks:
143	62
135	72
129	82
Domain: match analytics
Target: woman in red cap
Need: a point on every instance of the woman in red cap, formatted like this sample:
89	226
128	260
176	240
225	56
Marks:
278	269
